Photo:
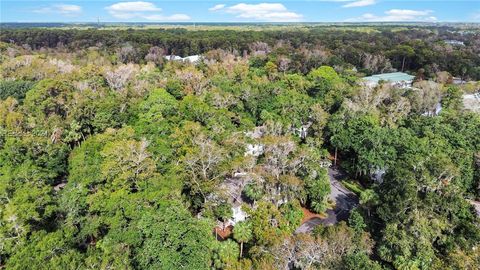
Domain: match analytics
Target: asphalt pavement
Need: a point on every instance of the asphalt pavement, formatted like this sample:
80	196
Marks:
344	199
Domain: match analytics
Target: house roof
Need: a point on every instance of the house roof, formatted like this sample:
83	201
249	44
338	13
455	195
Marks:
391	77
191	58
472	102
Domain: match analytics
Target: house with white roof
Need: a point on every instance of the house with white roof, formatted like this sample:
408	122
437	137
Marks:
454	42
192	58
398	79
472	102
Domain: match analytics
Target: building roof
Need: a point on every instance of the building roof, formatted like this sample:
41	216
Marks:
391	77
472	102
454	42
191	58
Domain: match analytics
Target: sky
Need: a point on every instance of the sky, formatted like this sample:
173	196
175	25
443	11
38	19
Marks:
240	11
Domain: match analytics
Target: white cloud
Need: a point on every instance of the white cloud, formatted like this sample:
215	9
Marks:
272	12
398	15
217	7
68	10
133	6
142	10
173	17
360	3
407	12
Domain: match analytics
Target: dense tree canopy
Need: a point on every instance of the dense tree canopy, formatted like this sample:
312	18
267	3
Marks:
113	157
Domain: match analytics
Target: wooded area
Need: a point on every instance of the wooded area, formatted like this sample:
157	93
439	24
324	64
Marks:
112	156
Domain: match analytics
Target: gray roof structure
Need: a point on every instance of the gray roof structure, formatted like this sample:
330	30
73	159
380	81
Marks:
390	77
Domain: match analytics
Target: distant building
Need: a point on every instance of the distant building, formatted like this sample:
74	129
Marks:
254	150
454	42
238	215
472	102
302	131
257	133
438	109
398	79
192	58
458	81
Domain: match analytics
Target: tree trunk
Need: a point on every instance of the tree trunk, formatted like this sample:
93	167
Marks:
241	249
335	161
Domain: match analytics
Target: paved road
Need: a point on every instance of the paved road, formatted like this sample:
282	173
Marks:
345	200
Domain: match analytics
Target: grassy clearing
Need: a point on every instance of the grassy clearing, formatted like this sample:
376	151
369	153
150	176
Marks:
353	186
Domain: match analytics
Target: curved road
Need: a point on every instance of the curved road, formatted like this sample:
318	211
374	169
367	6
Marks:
345	201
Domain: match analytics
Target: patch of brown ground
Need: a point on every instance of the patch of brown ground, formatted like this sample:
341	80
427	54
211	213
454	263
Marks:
307	215
222	234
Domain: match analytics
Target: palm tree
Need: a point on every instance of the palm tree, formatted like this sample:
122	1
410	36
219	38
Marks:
253	191
242	232
368	199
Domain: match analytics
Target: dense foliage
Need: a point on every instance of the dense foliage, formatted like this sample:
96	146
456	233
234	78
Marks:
112	157
371	49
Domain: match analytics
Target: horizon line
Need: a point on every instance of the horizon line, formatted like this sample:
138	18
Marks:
238	22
